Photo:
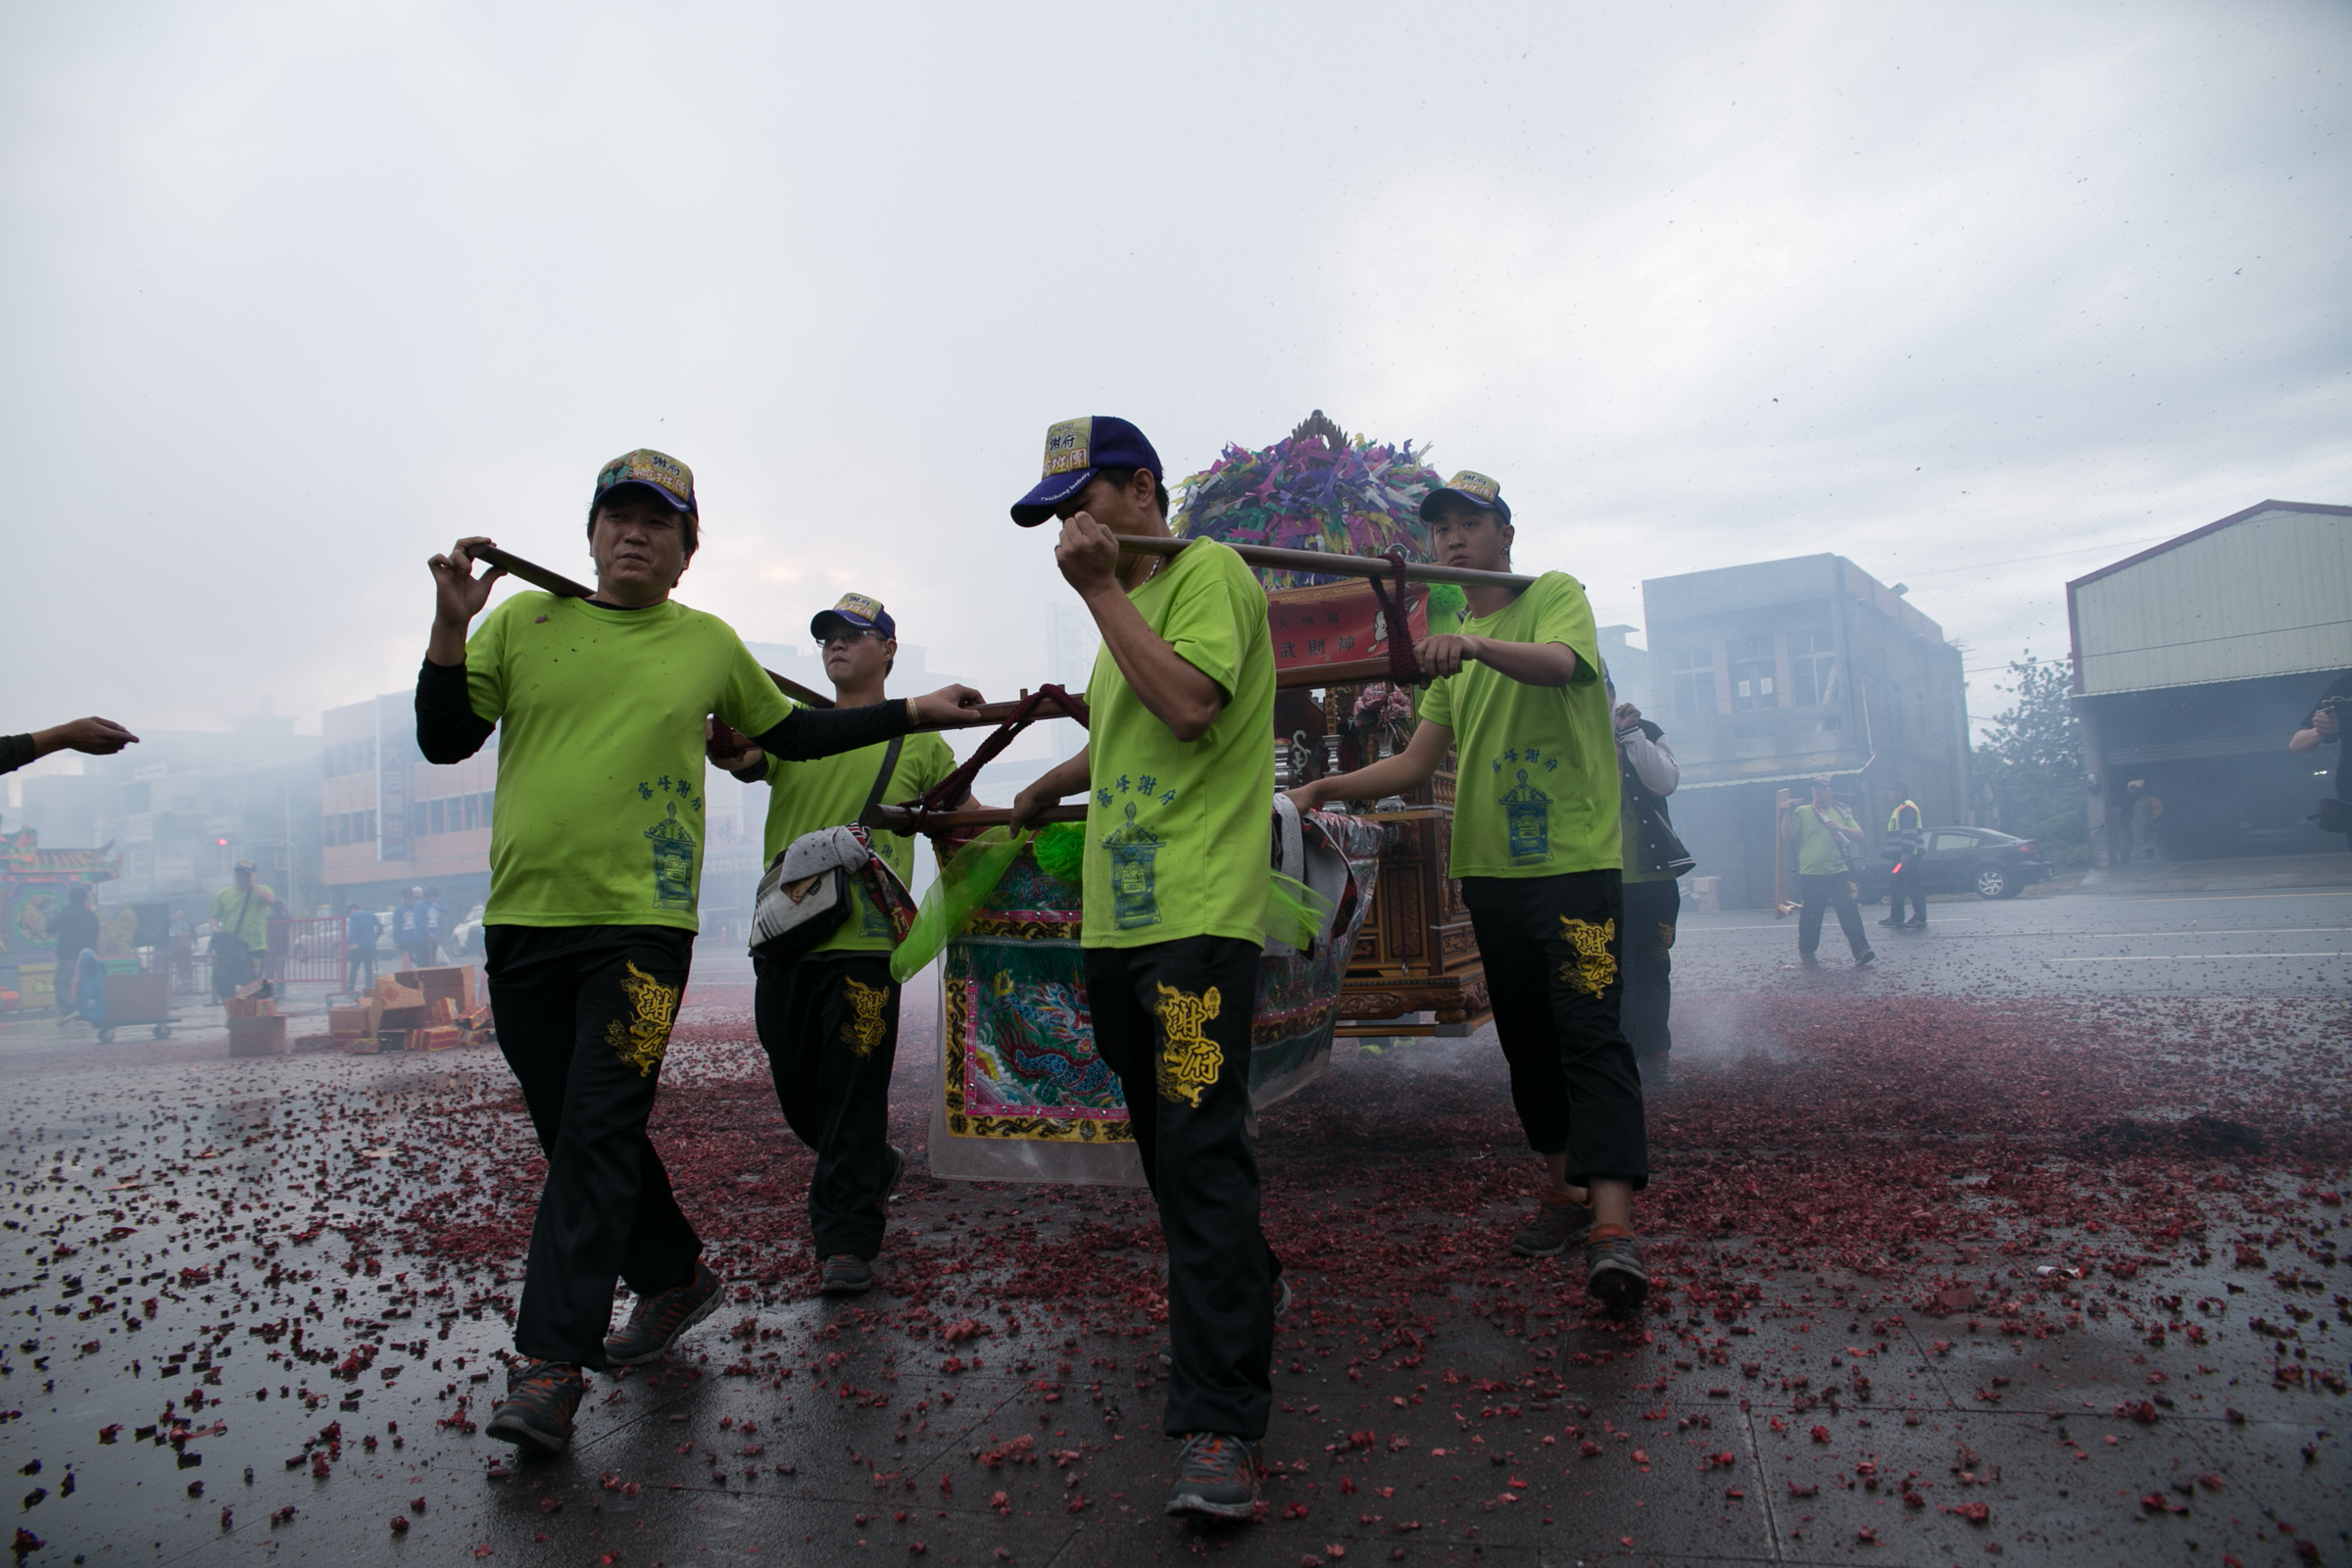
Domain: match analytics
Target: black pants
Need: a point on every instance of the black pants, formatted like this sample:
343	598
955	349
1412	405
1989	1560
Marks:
1820	893
1551	948
1907	884
1173	1021
830	1023
420	951
1648	938
583	1017
357	958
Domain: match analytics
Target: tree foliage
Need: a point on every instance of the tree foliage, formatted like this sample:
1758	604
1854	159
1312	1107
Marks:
2032	761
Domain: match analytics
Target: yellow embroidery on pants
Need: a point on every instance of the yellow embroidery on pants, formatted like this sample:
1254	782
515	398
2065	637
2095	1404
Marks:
1665	938
1189	1060
1592	968
652	1008
864	1032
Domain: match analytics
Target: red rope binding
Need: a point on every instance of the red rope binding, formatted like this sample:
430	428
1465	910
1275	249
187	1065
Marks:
1405	669
949	791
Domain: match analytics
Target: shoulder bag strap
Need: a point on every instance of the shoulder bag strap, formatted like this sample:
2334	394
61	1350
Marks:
889	765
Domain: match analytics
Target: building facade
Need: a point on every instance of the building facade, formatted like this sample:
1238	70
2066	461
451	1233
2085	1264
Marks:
2194	662
1767	674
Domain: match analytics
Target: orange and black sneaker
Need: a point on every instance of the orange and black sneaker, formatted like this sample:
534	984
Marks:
1613	1273
658	1320
542	1397
1216	1476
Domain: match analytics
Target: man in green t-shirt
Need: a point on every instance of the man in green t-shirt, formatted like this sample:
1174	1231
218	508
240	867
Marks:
1179	775
595	865
1827	838
829	1019
240	916
1518	692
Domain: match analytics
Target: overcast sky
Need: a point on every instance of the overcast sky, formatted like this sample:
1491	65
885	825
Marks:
1978	296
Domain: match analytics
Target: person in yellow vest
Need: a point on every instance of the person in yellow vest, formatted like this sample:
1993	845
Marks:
1178	778
1827	839
1537	844
829	1019
241	916
1907	840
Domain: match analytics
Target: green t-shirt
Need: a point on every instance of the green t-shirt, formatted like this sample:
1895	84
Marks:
598	817
1537	789
1177	832
254	930
1817	852
831	791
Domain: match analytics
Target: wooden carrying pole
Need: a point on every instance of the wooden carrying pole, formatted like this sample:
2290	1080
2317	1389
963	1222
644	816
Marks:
898	819
1330	566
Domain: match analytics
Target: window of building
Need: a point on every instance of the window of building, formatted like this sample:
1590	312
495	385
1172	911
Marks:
474	810
1753	671
1813	666
432	815
367	828
1694	683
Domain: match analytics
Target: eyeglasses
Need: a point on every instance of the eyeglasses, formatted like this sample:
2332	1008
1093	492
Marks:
847	635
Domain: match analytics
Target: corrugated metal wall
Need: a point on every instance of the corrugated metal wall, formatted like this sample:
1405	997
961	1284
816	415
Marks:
2268	596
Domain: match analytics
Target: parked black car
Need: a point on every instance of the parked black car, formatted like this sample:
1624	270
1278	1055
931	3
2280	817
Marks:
1966	860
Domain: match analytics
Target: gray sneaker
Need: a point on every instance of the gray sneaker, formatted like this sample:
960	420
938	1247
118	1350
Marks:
1556	1228
1216	1476
846	1274
1613	1273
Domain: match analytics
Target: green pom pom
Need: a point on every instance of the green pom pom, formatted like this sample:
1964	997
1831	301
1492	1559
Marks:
1062	850
1447	607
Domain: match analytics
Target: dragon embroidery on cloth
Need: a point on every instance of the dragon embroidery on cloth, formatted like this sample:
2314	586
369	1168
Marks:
652	1008
864	1032
1592	970
1189	1060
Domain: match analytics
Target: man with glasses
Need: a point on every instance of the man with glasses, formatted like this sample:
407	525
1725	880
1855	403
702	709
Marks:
829	1020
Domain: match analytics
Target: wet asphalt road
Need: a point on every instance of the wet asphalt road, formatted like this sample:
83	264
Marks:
130	1170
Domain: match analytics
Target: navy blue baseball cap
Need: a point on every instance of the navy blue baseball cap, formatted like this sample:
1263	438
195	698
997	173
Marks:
1076	450
1471	488
856	609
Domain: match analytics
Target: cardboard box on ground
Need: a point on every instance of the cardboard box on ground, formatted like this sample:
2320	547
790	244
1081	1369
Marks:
417	1009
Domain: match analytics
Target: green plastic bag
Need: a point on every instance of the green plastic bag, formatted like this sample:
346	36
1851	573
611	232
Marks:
970	875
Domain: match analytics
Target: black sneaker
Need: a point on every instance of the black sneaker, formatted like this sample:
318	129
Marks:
1216	1476
1656	1070
1893	920
1556	1228
846	1274
542	1397
658	1320
1613	1272
1915	925
1865	959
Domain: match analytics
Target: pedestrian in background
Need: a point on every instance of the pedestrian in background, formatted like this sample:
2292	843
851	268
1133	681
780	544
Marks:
1654	857
75	929
1827	837
408	933
436	927
360	928
2147	810
1905	841
239	917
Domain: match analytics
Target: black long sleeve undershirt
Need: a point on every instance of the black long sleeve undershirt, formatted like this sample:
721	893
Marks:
15	752
449	730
